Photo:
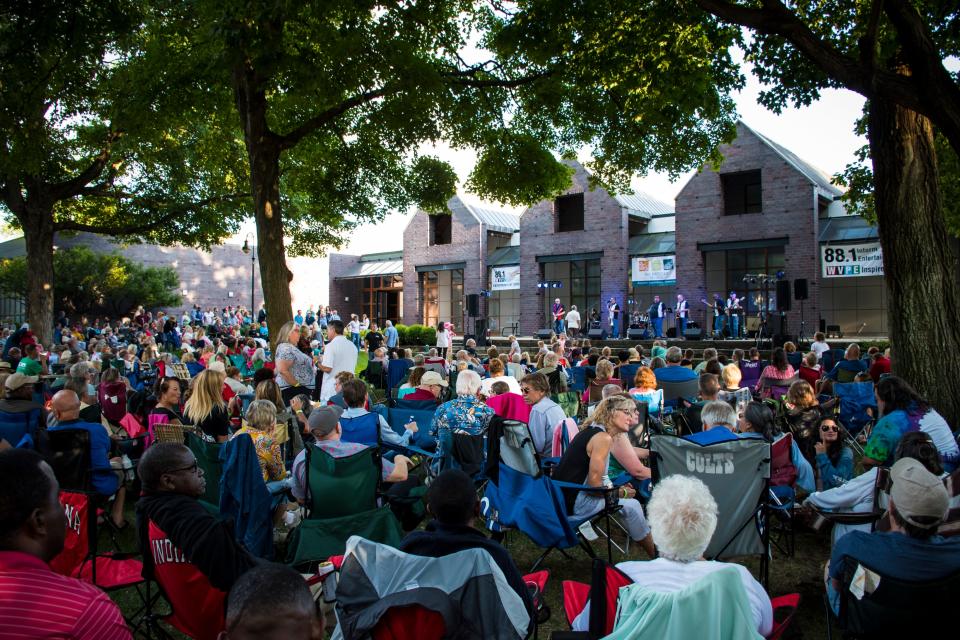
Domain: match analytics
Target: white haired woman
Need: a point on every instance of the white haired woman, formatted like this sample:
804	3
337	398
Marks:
683	516
586	462
467	413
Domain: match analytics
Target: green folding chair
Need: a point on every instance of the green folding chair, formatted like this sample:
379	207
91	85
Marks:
342	501
208	459
569	401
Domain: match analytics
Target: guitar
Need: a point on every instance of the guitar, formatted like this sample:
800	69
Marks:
557	315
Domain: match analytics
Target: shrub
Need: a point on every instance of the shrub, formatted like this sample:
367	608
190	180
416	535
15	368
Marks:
402	337
428	336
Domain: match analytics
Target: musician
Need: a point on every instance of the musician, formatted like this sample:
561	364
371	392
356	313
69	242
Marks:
683	313
613	312
718	313
558	313
656	317
733	307
594	318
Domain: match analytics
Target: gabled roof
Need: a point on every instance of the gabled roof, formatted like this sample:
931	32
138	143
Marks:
382	256
651	244
847	228
643	205
814	174
495	220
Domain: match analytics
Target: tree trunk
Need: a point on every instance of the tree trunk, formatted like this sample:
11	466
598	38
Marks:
920	267
263	151
38	237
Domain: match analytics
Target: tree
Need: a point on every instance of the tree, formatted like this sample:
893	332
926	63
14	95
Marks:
93	139
334	100
90	283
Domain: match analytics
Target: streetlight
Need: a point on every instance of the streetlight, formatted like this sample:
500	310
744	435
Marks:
251	249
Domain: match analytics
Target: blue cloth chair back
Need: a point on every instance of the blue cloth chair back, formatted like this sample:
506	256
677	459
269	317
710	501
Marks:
578	378
855	399
20	429
535	506
416	405
396	370
364	429
397	418
627	374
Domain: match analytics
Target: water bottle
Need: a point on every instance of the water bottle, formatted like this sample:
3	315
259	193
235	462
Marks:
610	496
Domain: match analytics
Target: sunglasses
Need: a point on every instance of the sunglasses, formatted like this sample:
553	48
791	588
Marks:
192	469
830	427
525	390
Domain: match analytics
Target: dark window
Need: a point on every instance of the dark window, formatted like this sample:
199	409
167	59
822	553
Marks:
742	193
441	229
569	212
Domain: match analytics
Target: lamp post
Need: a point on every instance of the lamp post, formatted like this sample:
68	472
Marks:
251	249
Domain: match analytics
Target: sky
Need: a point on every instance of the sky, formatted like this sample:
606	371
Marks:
822	134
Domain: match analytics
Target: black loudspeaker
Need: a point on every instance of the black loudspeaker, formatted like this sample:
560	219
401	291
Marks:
480	327
545	334
783	295
672	332
823	325
473	305
634	333
693	334
800	291
597	334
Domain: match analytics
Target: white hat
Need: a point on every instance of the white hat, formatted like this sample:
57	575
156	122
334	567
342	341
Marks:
17	380
217	366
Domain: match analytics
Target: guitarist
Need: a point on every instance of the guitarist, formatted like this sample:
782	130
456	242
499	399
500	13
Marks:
656	317
558	313
733	310
718	313
683	312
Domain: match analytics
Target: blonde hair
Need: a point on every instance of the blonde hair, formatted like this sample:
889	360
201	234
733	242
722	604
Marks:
603	414
604	370
207	395
285	330
731	375
269	390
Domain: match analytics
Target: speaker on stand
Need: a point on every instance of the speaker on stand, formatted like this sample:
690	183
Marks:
783	303
597	334
801	293
545	335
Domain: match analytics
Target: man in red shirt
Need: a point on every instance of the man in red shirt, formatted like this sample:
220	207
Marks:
35	602
430	386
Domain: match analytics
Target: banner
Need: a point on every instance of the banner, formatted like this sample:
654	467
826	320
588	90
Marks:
851	260
504	278
654	269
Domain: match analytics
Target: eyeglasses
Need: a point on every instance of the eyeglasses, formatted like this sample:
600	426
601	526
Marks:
830	427
630	412
192	468
525	390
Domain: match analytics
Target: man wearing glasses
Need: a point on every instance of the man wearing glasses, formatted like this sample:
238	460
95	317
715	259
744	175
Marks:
184	545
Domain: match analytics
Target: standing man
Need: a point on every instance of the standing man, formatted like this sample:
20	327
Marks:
339	355
733	308
683	312
374	339
558	313
718	313
613	310
656	317
262	314
573	322
392	337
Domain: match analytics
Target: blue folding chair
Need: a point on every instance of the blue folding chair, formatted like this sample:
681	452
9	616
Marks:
20	429
627	373
363	429
578	378
855	399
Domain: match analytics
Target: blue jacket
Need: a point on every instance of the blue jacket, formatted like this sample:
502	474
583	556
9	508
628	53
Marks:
245	498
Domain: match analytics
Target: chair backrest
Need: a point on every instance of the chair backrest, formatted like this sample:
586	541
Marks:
16	427
517	450
397	418
363	429
416	405
77	507
736	472
779	388
569	401
855	399
467	451
208	459
578	378
462	588
439	368
673	391
782	470
845	375
605	583
626	374
396	370
750	371
563	435
67	451
896	608
342	486
170	432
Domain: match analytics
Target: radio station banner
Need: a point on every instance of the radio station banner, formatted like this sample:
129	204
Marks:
504	278
851	260
654	269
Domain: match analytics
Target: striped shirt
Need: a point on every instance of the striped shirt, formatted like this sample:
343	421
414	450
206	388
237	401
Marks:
35	602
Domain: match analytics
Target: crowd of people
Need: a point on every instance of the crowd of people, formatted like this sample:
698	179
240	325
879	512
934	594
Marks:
213	372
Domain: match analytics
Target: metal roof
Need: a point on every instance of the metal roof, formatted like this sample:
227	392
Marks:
816	175
643	205
374	268
14	248
846	229
495	220
386	255
650	244
503	256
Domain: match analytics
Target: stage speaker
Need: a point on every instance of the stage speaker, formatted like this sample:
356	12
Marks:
672	332
800	291
597	334
823	325
480	327
781	338
545	334
783	295
635	333
693	334
473	305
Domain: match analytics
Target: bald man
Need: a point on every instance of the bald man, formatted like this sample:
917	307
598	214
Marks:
106	481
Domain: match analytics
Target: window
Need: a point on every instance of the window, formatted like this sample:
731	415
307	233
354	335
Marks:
727	271
579	285
441	229
742	193
568	212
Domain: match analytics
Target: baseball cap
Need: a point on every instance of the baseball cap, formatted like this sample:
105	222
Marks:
324	420
217	366
432	377
17	380
5	366
917	493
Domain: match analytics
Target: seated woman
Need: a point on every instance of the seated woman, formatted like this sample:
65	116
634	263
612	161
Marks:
167	410
758	418
585	462
206	409
410	386
856	495
604	376
260	422
627	458
903	410
645	390
730	389
778	369
683	516
834	459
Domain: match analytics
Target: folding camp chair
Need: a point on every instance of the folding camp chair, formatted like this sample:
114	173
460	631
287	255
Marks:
171	433
342	501
20	429
737	473
569	401
778	388
896	608
385	593
208	459
578	378
673	391
398	417
783	476
376	375
396	370
244	496
626	373
856	398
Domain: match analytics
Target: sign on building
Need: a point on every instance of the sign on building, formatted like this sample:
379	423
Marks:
851	260
504	278
654	269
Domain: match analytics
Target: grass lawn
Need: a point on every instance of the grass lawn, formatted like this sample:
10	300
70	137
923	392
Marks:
800	574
